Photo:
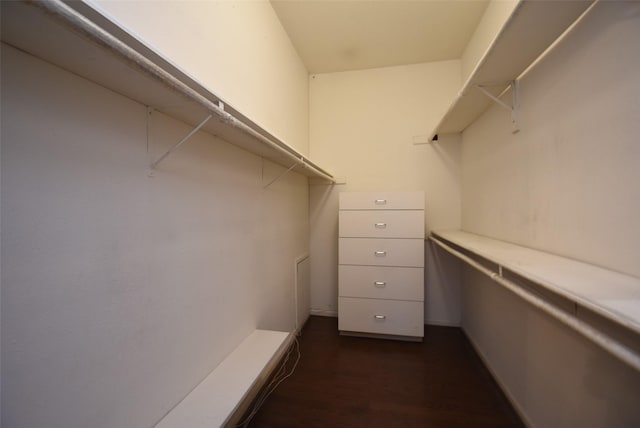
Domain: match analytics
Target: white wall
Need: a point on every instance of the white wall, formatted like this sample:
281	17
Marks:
120	292
235	48
362	128
554	376
566	184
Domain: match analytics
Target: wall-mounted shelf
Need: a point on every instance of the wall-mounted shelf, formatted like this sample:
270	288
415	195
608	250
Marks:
611	295
77	38
532	27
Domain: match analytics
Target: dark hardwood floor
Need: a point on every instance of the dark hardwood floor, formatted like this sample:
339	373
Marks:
356	382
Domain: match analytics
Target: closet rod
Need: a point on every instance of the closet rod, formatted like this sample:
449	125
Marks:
609	344
82	25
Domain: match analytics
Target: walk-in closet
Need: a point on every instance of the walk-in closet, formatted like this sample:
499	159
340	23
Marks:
301	213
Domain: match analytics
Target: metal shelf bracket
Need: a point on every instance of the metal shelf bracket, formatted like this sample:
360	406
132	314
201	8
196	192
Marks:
281	175
179	143
514	108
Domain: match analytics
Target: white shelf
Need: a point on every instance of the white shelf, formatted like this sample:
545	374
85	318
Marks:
217	399
610	294
65	35
530	30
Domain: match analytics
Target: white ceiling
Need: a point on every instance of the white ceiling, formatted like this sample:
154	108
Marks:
340	35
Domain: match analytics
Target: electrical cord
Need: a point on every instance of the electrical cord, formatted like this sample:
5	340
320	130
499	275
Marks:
277	379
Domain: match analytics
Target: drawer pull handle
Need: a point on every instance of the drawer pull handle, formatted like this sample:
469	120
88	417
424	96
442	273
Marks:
380	317
380	253
380	225
381	202
380	284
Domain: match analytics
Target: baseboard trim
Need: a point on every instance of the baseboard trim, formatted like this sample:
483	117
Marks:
324	313
442	323
505	390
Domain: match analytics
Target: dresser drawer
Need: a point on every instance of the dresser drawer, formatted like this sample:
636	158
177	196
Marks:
381	224
381	316
382	201
381	252
381	282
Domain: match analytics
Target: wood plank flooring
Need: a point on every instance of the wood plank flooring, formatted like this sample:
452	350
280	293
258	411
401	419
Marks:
356	382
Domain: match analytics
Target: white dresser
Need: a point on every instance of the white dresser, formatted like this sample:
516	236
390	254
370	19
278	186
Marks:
381	264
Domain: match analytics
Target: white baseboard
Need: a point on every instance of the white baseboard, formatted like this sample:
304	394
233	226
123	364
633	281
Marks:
442	323
324	313
516	405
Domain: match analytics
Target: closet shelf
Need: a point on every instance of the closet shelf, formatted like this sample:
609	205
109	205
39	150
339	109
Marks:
601	305
611	294
79	39
532	27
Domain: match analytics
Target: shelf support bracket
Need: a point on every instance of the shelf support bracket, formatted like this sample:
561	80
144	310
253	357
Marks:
514	108
281	175
181	142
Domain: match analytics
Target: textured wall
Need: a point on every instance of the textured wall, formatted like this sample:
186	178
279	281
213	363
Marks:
363	125
236	49
565	184
121	292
